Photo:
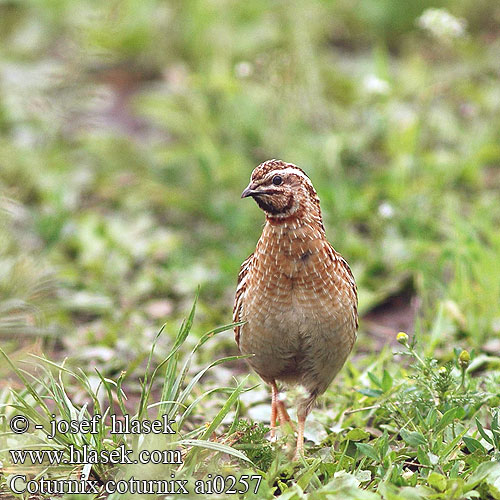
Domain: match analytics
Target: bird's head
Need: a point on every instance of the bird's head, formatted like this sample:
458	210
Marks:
282	190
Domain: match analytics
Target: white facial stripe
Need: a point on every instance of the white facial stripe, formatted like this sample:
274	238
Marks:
288	170
291	170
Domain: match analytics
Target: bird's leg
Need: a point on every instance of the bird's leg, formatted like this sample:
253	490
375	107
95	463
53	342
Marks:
304	408
274	408
279	408
300	436
283	414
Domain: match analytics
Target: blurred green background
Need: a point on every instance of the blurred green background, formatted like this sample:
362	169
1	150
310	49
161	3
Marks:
129	129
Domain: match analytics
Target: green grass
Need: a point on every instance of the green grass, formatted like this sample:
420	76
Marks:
416	429
127	133
44	398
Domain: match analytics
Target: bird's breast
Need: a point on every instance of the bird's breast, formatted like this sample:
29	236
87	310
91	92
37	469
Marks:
293	283
295	305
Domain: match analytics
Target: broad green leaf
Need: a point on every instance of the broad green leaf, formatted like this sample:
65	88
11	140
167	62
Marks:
485	470
357	435
372	393
473	444
386	381
422	456
437	481
368	450
375	379
449	416
412	438
483	433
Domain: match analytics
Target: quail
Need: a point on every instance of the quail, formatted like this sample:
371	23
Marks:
296	296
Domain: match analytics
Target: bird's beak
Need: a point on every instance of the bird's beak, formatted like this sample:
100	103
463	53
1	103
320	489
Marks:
250	191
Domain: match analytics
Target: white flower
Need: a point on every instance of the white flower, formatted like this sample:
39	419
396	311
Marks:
441	24
375	85
243	69
386	210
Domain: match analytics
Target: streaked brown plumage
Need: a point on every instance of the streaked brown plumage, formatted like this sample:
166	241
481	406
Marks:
296	294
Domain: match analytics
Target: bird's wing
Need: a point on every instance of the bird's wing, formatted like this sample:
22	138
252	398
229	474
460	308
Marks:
240	293
343	270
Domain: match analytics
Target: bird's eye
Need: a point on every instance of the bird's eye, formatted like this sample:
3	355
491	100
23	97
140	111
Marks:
277	180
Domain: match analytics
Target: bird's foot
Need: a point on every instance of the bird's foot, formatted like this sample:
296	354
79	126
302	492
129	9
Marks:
286	429
272	434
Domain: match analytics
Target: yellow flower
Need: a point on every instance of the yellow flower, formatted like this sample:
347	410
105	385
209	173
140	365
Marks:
464	359
402	338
